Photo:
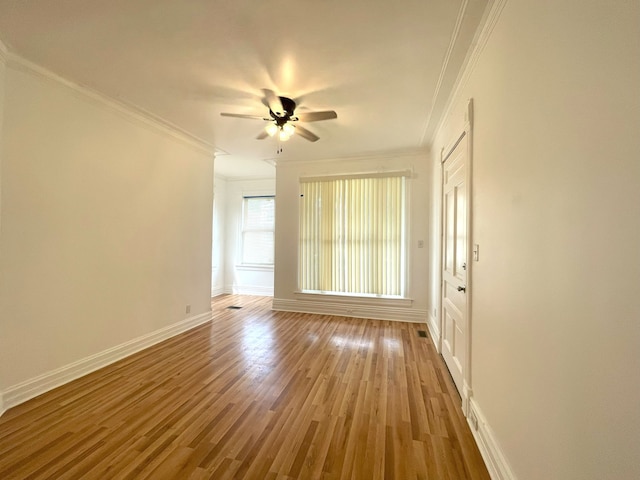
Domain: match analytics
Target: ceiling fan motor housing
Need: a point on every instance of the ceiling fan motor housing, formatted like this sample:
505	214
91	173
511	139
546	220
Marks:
288	106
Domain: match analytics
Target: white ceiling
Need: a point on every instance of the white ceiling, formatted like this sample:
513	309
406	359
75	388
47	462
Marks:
386	67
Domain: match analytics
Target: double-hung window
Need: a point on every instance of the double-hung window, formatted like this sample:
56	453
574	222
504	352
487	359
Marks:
353	235
258	220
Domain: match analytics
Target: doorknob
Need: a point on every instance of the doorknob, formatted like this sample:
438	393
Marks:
462	288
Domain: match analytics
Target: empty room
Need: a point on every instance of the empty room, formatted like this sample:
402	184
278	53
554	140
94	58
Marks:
320	240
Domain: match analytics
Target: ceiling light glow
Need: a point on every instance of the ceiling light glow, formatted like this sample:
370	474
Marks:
271	129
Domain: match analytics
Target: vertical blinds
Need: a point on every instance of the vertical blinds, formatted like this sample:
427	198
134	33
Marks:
352	235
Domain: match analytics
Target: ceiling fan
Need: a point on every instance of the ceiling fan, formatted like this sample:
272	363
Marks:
282	118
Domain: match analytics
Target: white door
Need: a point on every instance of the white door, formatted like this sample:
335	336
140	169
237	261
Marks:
454	263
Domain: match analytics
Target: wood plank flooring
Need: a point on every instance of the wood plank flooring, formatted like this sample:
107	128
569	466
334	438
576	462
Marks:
255	394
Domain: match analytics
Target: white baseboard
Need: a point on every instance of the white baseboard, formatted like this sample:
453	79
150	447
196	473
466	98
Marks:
215	291
2	409
492	454
33	387
360	310
249	290
434	331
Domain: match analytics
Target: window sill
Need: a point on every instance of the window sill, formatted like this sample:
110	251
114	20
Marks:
355	299
254	267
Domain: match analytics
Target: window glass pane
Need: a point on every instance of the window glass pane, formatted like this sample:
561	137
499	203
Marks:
258	247
259	212
257	230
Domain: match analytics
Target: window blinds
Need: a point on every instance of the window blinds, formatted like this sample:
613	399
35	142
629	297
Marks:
352	235
257	231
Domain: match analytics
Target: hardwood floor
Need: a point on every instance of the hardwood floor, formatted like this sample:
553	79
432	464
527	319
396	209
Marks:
255	394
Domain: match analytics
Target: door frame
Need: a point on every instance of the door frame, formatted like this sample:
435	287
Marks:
466	135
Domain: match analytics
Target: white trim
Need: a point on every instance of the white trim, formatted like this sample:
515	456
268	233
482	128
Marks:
418	153
256	290
33	387
255	267
466	395
245	178
351	176
249	178
434	331
468	375
491	16
492	454
133	112
215	291
354	299
2	409
445	64
465	136
345	309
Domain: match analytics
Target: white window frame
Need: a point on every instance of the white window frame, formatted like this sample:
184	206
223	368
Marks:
398	300
242	265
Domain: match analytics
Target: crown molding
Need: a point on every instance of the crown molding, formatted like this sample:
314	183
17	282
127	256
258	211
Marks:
371	156
133	112
251	178
488	22
445	65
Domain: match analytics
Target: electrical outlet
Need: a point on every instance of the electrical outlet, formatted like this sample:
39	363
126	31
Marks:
187	309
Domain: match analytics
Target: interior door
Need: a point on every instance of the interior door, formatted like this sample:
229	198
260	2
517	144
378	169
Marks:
454	326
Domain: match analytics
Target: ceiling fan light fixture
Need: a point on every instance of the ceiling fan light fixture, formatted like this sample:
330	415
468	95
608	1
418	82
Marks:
288	129
283	136
281	114
271	129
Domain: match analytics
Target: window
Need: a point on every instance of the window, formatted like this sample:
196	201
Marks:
352	235
258	218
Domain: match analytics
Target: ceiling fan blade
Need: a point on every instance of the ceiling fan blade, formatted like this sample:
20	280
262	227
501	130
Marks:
306	134
273	101
316	116
241	115
262	135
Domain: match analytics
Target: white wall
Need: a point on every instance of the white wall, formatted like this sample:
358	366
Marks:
242	279
286	274
218	245
556	171
106	226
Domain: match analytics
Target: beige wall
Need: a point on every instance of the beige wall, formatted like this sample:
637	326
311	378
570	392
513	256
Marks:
286	254
106	227
218	243
556	179
2	328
